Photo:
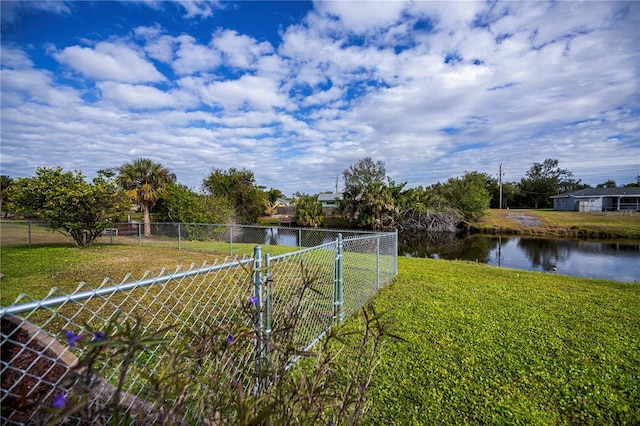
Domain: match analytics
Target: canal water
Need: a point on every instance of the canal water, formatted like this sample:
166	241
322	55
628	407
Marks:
613	260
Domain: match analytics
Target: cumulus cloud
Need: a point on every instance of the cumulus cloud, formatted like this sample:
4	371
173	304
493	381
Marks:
13	11
137	96
109	61
239	50
198	8
248	91
360	17
192	57
14	57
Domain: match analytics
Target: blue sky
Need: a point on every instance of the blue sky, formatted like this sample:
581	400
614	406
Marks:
298	91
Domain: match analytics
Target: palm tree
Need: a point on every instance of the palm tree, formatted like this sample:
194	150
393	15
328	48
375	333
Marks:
145	183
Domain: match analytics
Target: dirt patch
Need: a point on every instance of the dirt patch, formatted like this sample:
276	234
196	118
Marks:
36	366
525	220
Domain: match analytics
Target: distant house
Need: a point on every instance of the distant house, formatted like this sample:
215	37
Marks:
283	206
330	202
599	200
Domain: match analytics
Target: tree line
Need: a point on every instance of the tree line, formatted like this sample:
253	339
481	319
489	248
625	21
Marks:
371	199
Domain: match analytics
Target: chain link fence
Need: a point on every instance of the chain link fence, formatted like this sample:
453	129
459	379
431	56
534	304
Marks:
178	235
342	271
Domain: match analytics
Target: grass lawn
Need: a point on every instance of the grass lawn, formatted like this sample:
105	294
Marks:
491	345
559	223
481	344
34	271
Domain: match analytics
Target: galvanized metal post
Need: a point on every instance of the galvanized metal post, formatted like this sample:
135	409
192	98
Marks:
267	309
140	234
259	325
230	240
179	237
339	291
300	238
378	262
395	252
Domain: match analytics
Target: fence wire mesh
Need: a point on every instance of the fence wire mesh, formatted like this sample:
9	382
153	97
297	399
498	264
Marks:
206	236
316	286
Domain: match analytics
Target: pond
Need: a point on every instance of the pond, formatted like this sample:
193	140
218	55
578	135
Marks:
617	260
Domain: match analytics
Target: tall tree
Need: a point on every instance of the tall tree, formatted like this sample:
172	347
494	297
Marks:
240	189
5	183
272	196
181	204
367	199
544	180
309	211
145	182
469	194
74	206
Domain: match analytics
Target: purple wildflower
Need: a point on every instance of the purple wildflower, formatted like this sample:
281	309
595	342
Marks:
72	338
60	401
253	300
230	338
98	336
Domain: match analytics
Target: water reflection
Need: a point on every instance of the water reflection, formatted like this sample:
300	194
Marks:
610	260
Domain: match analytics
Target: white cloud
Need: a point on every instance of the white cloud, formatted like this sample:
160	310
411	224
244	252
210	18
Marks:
137	96
13	11
30	85
239	50
110	61
247	91
198	8
194	58
361	17
13	57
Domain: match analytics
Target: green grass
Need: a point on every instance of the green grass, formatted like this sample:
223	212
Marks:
563	224
490	345
34	271
481	344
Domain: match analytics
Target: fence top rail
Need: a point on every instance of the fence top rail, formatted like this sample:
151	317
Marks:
83	295
346	230
330	244
366	237
352	231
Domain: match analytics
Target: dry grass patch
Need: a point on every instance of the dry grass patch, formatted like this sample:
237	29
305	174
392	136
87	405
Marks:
562	224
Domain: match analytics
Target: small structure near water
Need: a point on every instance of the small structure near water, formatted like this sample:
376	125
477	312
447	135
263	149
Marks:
599	200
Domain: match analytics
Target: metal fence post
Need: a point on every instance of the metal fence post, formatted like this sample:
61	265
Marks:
267	307
230	240
338	294
258	322
395	251
378	262
179	237
139	234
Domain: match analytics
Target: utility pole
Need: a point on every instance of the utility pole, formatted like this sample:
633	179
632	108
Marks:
337	183
500	180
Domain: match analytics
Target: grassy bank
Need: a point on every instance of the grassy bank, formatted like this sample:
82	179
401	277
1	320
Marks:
34	271
490	345
480	344
561	224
